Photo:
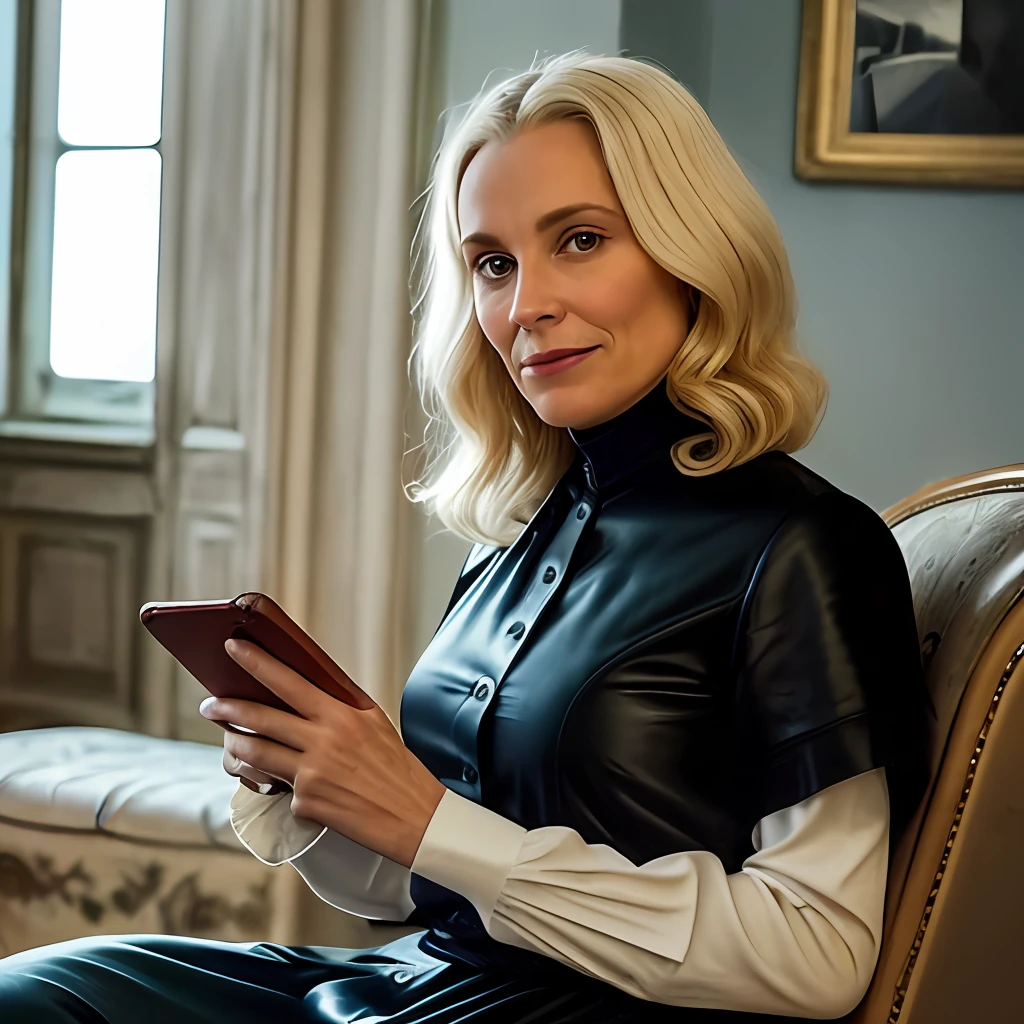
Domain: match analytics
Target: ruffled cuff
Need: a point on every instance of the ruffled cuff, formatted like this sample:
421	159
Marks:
266	826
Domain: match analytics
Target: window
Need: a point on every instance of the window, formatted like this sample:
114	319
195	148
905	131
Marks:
8	62
86	183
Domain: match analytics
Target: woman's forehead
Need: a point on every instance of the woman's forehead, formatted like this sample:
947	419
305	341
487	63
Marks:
534	171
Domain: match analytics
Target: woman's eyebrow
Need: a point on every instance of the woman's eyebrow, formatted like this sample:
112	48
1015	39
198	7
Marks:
544	222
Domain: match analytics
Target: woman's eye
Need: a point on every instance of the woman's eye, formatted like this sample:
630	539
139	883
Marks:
496	268
593	239
489	262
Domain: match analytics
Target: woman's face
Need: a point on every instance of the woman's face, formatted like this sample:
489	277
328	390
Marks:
556	266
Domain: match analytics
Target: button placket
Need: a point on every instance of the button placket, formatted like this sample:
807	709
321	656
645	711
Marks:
558	555
466	724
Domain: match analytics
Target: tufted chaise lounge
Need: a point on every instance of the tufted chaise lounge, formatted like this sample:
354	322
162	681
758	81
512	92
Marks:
111	832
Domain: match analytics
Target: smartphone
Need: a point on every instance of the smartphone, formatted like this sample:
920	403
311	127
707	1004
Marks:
195	631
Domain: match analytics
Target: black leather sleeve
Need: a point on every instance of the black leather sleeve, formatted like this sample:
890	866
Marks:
828	666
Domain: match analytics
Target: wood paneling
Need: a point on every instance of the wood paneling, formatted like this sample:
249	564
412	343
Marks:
69	597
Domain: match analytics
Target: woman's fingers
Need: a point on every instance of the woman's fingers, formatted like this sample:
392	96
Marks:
267	756
267	788
240	770
252	778
258	719
277	677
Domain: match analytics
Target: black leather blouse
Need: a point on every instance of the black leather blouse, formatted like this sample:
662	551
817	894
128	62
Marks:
659	661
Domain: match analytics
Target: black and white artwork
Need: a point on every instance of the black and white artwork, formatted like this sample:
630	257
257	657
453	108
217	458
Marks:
946	67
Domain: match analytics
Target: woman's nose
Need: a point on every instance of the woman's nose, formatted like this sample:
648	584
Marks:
535	298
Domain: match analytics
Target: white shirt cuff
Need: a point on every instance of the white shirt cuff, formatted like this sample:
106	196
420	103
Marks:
469	849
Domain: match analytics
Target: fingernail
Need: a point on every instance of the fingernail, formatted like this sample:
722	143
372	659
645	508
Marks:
205	703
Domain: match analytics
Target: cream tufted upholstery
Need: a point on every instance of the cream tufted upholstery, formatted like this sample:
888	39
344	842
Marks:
117	783
953	947
109	832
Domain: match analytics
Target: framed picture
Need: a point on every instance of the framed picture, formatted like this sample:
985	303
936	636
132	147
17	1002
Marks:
915	91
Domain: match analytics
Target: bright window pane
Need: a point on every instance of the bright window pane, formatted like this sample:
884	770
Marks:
111	72
106	234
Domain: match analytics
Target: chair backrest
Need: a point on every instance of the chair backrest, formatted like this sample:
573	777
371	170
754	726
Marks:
953	942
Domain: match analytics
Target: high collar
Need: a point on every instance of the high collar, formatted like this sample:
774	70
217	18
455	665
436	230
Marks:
639	438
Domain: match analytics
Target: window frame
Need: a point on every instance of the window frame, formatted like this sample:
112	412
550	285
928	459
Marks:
35	394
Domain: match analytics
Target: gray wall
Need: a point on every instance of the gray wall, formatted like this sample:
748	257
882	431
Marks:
500	37
910	298
496	38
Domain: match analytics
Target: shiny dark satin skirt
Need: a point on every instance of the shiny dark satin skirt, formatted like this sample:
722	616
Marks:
165	979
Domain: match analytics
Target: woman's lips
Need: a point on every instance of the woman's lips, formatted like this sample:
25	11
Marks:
556	365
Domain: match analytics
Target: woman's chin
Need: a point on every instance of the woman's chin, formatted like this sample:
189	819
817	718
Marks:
561	408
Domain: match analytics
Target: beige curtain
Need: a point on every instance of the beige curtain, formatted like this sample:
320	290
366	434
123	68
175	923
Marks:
337	521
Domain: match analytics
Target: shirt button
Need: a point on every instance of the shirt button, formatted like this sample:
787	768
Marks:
483	688
469	773
550	574
516	630
581	512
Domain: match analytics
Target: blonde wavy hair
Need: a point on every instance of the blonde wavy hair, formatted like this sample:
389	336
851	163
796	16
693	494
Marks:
492	460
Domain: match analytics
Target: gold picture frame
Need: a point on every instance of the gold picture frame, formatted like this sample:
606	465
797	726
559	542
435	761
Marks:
826	150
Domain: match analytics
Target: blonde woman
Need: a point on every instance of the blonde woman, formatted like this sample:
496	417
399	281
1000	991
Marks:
653	760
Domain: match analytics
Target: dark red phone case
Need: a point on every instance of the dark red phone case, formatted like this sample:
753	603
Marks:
195	631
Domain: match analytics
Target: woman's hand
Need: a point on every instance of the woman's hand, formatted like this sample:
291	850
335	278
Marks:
258	782
349	768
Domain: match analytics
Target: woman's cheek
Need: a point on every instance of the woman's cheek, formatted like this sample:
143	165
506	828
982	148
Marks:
494	323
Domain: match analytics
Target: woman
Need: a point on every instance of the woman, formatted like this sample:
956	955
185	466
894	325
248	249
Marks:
652	763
